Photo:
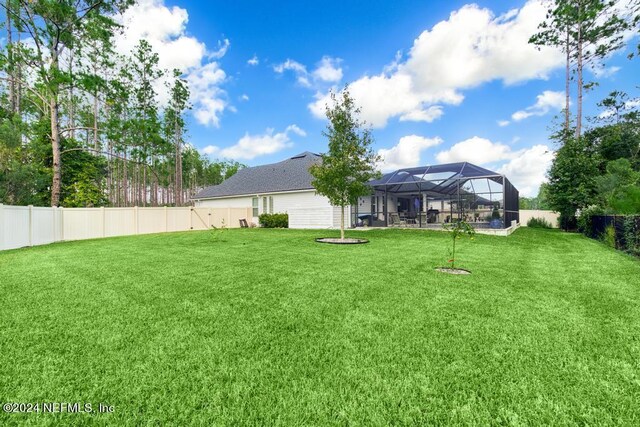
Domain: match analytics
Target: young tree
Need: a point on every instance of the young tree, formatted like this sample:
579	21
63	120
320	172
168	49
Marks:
350	163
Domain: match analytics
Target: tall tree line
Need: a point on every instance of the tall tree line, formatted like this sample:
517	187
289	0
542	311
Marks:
81	125
596	168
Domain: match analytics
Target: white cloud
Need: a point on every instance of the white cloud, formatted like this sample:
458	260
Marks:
164	27
253	61
406	153
503	123
528	169
223	47
328	70
210	100
604	72
295	129
210	150
545	102
476	150
470	48
302	76
251	146
427	115
244	97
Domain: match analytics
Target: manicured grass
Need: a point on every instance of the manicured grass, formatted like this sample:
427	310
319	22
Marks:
267	327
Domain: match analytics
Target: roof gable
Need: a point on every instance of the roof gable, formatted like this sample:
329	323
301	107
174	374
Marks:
288	175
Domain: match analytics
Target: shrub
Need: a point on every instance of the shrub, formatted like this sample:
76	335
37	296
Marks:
631	227
276	220
538	223
609	236
585	220
496	213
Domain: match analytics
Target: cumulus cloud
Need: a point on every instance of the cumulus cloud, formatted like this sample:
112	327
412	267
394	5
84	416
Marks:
476	150
528	169
503	123
251	146
327	70
545	102
253	61
471	47
210	100
406	153
164	27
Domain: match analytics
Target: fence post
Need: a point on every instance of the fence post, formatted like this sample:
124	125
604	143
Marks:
191	218
166	219
54	214
2	233
135	219
61	224
104	220
30	225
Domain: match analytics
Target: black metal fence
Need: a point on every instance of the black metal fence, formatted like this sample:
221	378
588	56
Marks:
619	231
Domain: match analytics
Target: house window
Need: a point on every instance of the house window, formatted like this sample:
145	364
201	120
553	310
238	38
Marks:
264	205
270	204
254	204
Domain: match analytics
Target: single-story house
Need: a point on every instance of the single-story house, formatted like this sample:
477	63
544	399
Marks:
283	187
425	196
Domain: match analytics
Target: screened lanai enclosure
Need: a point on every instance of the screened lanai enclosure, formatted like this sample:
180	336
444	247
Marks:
431	196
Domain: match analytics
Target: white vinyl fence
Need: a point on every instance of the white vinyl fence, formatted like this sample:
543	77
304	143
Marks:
550	216
30	226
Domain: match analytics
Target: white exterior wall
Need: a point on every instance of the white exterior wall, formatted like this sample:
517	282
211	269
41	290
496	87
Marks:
306	209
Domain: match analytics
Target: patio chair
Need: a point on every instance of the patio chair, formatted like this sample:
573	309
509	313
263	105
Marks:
243	223
396	221
422	220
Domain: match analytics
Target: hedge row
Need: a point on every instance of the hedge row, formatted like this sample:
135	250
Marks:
276	220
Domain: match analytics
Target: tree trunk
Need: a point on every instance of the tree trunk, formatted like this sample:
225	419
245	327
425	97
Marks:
178	180
12	84
567	86
96	142
580	84
55	148
72	120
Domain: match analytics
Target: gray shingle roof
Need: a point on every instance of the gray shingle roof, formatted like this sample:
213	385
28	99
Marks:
288	175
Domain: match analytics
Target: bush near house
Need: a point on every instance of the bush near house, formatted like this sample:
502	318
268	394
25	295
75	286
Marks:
276	220
538	223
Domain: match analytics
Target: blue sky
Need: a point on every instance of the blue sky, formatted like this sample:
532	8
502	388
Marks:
438	81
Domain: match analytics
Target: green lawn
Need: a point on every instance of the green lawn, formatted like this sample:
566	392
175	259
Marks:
267	327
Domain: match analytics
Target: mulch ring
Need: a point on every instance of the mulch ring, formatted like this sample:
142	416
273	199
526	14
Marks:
450	270
337	241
